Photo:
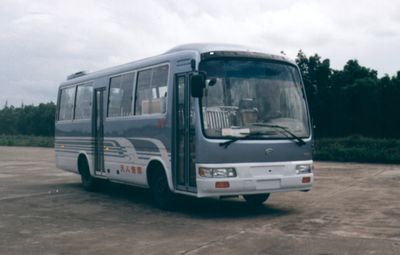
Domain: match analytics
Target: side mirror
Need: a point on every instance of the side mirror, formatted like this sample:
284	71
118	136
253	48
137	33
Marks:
197	84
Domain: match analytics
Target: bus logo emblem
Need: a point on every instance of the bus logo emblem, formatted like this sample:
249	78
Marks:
268	152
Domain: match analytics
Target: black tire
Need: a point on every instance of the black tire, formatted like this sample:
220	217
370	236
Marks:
256	199
89	183
162	195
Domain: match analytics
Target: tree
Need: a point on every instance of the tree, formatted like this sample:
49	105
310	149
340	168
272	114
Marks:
352	100
316	76
28	120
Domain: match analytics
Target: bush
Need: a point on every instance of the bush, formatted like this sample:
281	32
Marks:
358	149
24	140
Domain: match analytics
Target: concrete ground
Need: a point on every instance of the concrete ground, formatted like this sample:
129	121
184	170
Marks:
353	209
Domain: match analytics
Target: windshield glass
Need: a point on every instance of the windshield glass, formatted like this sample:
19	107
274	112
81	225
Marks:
253	96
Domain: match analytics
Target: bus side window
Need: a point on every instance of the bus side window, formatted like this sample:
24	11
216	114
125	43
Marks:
120	95
151	91
83	107
67	99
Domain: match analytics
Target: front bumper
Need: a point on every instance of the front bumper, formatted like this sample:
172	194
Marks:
255	178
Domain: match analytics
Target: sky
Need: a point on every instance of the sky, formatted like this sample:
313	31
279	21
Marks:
43	41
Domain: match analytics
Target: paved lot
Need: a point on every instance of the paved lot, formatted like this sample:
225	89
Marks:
353	209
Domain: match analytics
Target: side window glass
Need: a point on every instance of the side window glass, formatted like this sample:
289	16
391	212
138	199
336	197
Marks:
151	91
143	91
83	107
120	95
67	99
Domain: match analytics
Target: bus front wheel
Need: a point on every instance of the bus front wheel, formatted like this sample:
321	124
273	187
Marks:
162	195
256	199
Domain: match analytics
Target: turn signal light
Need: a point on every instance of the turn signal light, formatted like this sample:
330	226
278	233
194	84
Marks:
221	185
306	180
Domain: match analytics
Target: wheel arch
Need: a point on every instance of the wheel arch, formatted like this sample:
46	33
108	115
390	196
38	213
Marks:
156	165
82	155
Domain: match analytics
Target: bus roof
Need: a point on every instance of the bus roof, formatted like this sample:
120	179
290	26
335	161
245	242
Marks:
202	48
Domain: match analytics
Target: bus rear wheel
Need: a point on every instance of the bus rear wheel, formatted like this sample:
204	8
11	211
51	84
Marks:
89	183
256	199
162	195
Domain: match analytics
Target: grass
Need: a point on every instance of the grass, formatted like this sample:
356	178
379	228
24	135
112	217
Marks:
25	140
358	149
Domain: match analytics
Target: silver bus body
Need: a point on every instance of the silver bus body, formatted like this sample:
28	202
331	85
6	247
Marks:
204	146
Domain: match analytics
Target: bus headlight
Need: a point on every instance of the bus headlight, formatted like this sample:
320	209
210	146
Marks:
304	168
217	172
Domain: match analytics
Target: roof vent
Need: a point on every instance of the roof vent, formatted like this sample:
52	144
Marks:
76	75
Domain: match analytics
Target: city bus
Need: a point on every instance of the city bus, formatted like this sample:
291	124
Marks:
203	120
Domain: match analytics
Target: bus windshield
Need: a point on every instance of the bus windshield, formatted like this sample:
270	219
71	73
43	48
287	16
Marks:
244	97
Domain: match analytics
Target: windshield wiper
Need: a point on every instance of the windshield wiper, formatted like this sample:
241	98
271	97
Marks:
285	130
233	139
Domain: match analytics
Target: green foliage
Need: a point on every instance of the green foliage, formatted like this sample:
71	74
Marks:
24	140
358	149
352	101
28	120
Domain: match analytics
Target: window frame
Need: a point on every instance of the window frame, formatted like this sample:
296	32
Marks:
133	93
145	116
168	88
82	84
59	103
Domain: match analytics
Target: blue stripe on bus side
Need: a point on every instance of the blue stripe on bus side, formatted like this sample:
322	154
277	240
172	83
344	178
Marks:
74	145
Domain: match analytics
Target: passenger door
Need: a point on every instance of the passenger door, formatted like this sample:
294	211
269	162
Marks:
184	135
98	130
